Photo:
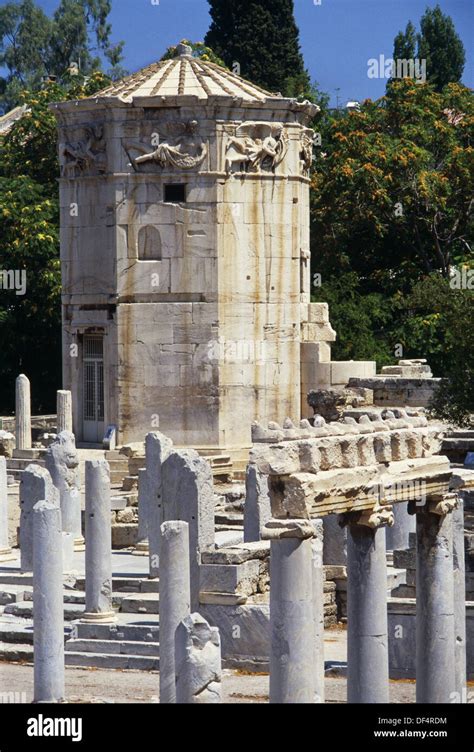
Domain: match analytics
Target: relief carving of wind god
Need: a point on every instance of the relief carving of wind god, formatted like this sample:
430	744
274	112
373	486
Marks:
183	148
86	156
256	147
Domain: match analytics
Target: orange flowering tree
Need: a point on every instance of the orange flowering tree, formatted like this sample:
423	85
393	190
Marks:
392	229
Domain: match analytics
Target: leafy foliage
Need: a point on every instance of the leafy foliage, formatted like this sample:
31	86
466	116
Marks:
30	324
438	43
34	46
392	220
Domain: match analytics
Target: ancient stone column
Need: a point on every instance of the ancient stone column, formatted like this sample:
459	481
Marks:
335	541
64	411
397	536
23	413
157	447
188	495
198	662
142	548
292	624
435	653
318	610
48	615
459	601
257	510
35	485
5	550
175	599
98	544
62	461
367	628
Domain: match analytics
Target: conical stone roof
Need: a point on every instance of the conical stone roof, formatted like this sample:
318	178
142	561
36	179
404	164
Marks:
185	75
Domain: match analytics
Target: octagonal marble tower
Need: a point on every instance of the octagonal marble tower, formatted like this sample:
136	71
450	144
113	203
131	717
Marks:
184	254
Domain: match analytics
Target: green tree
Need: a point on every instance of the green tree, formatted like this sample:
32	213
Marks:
441	47
404	47
393	187
438	43
262	38
25	33
30	323
392	207
81	32
440	316
33	46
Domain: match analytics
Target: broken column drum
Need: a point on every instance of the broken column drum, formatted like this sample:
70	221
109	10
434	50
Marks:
48	613
23	413
98	544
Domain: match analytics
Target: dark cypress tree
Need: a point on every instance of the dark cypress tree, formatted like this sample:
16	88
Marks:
262	37
442	48
404	47
438	44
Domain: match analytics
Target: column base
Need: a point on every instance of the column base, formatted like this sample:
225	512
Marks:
106	617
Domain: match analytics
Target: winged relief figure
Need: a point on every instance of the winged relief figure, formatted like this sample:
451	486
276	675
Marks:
256	147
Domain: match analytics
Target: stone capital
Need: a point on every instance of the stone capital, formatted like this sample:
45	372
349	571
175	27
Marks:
443	505
373	518
279	529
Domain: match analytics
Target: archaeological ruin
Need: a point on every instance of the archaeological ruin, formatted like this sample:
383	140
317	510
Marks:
215	493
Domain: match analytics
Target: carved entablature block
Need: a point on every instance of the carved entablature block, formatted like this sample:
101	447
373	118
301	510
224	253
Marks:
85	156
255	148
180	147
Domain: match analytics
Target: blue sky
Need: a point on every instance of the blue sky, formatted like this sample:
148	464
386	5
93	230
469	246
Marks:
338	37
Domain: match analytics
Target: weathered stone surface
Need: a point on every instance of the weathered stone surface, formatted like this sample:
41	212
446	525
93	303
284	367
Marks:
127	515
4	538
257	503
398	390
238	554
187	495
241	579
244	632
98	542
7	444
367	640
23	412
175	600
435	644
150	510
197	661
212	292
334	542
49	678
402	640
62	462
124	535
36	485
302	495
292	622
64	411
